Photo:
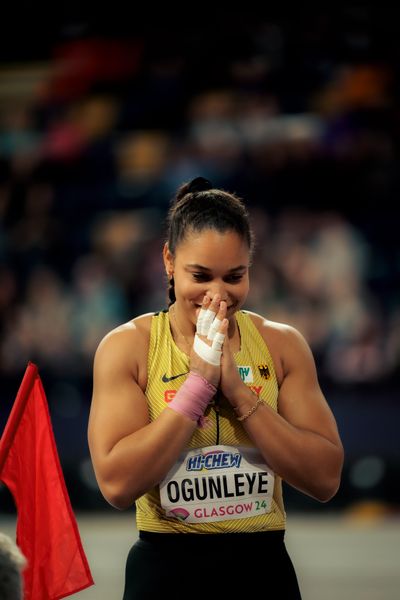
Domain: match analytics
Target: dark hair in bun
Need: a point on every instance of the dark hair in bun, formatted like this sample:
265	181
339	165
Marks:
197	205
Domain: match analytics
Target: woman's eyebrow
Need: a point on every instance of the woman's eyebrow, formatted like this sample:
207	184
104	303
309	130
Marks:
202	268
197	267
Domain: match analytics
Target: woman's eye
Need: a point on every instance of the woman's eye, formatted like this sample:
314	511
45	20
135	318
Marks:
228	279
200	276
234	278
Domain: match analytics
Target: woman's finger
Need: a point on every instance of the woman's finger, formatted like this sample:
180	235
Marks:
207	315
220	335
215	303
224	326
201	315
216	324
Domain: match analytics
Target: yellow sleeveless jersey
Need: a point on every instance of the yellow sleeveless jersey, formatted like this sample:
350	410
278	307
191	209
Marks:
167	370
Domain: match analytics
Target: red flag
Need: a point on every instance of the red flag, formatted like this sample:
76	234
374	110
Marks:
47	532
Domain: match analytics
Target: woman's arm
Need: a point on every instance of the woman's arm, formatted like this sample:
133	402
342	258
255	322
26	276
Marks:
301	442
130	454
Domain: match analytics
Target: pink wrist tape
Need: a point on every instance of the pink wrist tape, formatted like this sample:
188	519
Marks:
193	397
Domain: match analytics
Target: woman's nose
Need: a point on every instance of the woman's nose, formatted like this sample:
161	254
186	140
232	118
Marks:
217	289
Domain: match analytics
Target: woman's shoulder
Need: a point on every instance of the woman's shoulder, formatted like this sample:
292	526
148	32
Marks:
284	341
123	350
130	331
272	328
127	342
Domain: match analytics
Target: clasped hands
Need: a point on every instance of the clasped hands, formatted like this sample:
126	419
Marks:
211	345
212	326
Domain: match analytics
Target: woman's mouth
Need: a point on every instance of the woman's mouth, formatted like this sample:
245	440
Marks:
227	308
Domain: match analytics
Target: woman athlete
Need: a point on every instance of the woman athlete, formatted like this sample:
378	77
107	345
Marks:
198	414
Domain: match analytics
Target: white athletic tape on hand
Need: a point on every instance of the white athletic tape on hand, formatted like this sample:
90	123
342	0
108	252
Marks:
200	321
215	325
218	341
206	317
209	353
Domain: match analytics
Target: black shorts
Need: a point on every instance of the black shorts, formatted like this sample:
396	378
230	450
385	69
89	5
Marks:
210	566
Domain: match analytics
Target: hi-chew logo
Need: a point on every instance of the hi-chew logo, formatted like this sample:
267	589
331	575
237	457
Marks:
246	374
216	459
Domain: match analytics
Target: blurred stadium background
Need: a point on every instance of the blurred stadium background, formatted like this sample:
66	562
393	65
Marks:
298	112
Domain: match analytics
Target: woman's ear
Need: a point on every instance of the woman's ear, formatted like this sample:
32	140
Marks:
168	260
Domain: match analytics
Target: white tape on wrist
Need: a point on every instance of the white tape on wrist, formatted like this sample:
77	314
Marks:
211	354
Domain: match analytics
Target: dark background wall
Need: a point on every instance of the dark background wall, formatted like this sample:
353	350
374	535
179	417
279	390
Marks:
296	111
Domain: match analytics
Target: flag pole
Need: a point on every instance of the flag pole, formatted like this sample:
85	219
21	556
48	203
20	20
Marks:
17	412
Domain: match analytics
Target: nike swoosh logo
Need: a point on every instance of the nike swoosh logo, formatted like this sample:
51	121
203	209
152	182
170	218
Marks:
166	379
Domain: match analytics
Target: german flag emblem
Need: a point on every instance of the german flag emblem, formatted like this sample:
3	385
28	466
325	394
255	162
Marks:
264	371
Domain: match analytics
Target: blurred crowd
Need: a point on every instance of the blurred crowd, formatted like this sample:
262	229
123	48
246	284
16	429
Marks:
98	132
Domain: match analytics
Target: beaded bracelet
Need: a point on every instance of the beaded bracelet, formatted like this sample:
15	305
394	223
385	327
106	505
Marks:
252	410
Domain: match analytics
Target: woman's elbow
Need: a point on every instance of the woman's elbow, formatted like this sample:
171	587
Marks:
330	482
116	496
113	488
327	491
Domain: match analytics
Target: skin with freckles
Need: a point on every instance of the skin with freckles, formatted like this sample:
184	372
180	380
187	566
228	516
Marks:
130	454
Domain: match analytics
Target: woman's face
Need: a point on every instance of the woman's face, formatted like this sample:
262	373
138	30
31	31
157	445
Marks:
209	262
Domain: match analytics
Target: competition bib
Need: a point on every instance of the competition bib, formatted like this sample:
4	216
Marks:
217	483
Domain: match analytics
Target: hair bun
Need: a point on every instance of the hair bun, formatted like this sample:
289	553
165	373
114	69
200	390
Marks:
199	184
